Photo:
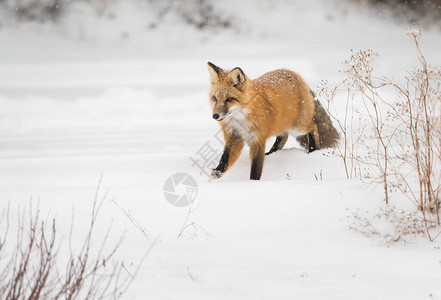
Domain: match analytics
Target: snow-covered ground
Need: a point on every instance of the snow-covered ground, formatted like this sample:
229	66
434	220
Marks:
108	96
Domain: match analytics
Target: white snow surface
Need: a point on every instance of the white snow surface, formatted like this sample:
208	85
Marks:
107	96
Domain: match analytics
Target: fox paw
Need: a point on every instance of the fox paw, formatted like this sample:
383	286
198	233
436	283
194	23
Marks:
216	174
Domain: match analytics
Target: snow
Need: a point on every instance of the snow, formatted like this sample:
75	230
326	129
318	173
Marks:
84	100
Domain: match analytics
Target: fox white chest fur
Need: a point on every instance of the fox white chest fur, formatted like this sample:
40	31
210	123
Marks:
239	124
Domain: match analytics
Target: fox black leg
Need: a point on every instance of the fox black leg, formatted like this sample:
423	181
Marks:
257	155
279	143
311	142
233	147
223	165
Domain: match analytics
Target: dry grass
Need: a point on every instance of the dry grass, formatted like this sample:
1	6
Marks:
31	268
395	142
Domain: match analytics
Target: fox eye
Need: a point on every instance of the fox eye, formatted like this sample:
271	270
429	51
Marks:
230	99
214	98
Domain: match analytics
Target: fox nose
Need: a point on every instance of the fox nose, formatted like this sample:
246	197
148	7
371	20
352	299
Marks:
215	116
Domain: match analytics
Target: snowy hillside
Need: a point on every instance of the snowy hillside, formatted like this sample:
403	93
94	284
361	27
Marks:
117	97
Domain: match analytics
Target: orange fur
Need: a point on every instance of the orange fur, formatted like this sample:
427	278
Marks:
251	111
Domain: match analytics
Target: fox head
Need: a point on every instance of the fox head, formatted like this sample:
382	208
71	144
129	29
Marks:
227	91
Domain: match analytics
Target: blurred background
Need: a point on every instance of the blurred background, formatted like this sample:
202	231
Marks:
200	14
154	29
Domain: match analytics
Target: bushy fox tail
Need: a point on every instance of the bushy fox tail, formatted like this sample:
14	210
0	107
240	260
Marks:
327	134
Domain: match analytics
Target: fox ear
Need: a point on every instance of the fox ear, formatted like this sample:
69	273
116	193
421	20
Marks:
214	72
237	77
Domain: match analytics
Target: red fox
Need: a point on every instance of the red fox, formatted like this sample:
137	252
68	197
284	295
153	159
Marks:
277	103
